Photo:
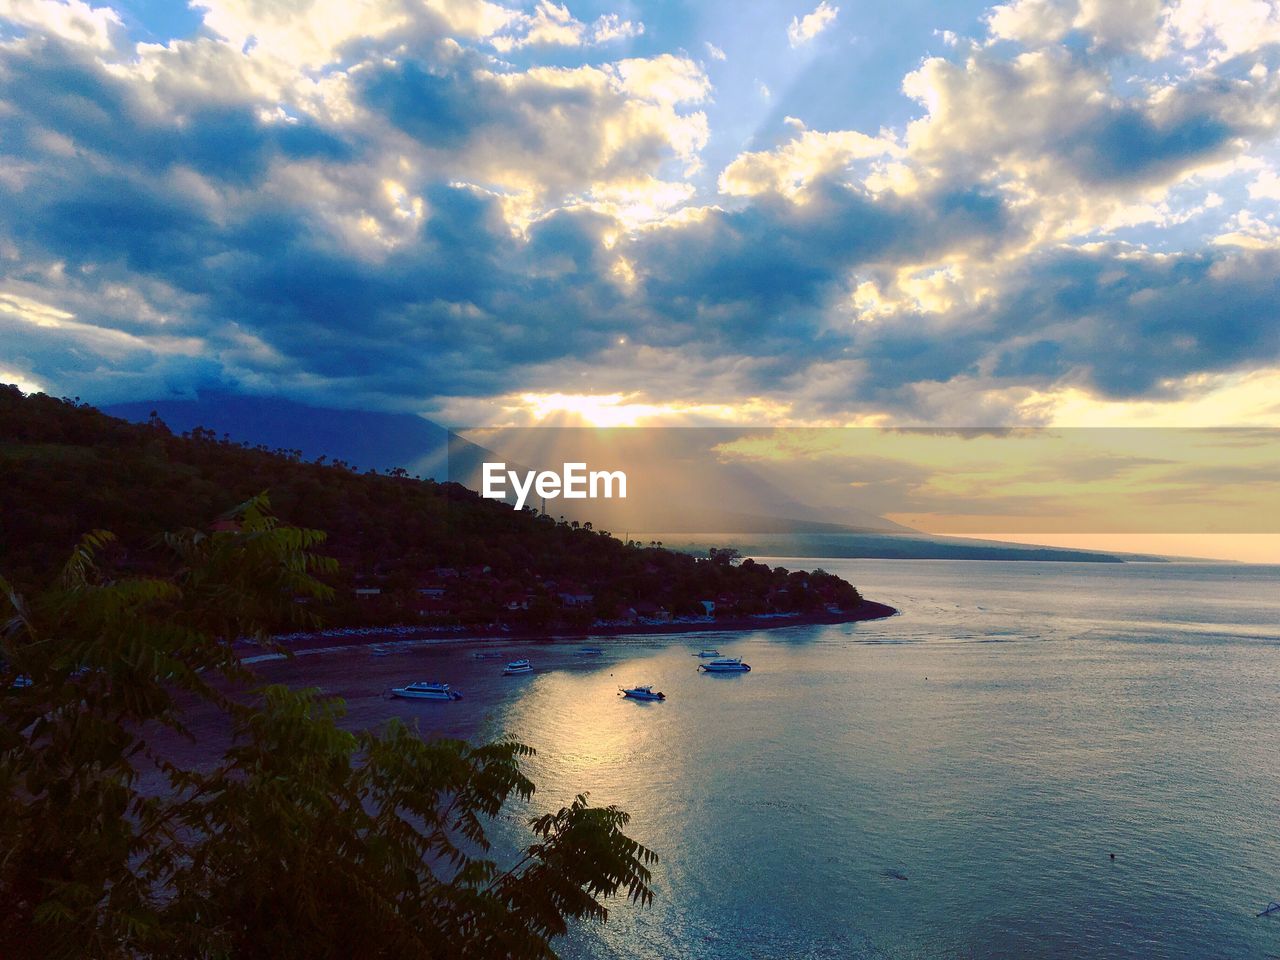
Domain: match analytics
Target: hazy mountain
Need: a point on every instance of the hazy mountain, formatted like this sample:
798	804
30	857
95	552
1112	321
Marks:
360	437
686	490
873	546
676	487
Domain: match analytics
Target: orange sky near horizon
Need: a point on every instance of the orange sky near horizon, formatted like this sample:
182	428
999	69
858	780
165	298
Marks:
1237	547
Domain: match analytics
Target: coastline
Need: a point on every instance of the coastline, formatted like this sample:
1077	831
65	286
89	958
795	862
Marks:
322	640
338	664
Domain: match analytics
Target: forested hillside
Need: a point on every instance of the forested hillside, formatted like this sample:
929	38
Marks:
409	550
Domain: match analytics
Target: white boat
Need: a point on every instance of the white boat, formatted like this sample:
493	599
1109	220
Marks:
517	666
422	690
725	665
641	693
707	654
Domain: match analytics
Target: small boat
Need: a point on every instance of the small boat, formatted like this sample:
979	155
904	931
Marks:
641	693
422	690
517	666
1272	907
591	651
707	654
725	665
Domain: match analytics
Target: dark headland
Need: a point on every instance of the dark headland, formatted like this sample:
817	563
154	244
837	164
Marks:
413	556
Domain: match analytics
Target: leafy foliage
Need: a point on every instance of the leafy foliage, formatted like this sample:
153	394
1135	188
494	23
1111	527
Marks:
304	839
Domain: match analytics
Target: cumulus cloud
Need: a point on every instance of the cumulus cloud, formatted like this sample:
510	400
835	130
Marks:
1266	186
1222	29
803	29
546	131
414	204
1048	128
789	168
1115	24
552	24
75	20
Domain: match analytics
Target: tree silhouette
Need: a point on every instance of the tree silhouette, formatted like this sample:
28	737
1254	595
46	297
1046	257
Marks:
305	839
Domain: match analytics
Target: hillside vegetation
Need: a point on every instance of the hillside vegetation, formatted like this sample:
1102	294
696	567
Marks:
408	550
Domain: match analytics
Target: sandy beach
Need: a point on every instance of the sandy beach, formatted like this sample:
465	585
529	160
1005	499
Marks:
310	642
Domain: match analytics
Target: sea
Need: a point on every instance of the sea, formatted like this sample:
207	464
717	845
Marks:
1031	760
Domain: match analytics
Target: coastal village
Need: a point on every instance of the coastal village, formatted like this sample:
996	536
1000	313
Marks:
481	597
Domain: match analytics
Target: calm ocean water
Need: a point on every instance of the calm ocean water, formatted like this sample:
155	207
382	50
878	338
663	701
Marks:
950	782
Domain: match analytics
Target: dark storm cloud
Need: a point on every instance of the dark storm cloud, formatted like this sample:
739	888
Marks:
438	109
1117	321
462	307
1126	145
52	86
760	281
1125	324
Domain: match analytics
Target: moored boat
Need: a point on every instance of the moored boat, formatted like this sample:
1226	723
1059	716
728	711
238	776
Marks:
707	654
725	665
424	690
517	666
642	692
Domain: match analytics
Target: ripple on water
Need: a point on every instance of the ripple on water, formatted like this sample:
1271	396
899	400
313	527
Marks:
789	804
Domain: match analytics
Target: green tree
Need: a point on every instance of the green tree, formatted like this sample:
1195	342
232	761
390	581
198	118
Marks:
305	840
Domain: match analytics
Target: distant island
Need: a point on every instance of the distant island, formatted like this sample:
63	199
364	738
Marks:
411	552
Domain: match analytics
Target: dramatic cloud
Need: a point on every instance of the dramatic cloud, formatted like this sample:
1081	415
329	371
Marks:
791	167
803	29
451	205
552	25
1047	122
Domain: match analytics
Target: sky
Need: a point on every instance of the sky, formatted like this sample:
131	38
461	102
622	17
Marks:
1039	213
1210	493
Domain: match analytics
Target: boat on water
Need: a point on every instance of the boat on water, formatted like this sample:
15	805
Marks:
644	692
707	654
725	665
423	690
591	651
487	655
517	666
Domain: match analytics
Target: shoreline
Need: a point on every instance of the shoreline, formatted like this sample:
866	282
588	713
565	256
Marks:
322	640
340	666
